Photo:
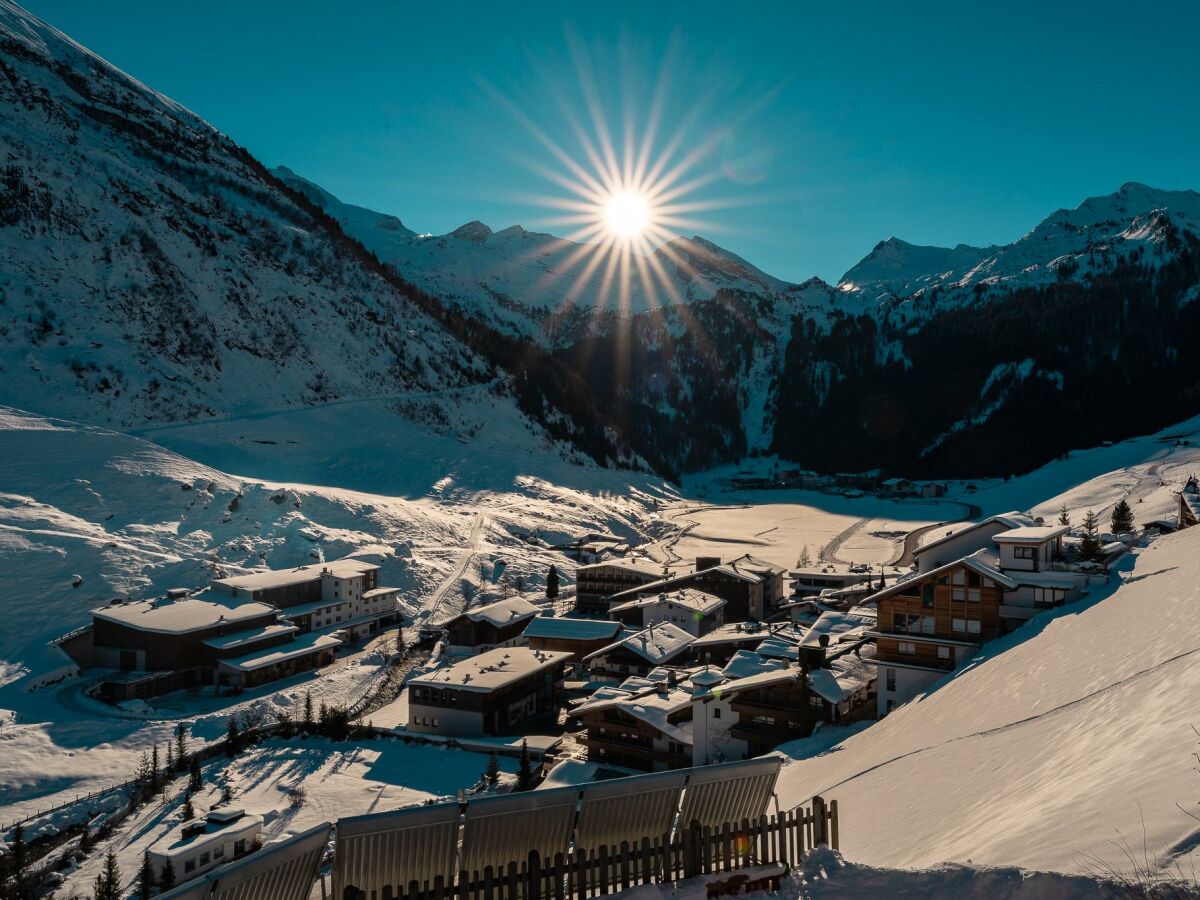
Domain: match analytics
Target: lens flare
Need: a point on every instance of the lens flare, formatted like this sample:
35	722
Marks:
627	214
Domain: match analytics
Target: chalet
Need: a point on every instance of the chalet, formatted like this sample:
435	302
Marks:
641	725
900	487
959	541
344	595
192	848
178	642
575	637
722	644
1189	503
931	489
594	584
696	612
637	654
752	588
495	693
499	624
811	581
929	623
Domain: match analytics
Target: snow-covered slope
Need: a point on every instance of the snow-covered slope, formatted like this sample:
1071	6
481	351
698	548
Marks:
1052	749
87	514
1068	243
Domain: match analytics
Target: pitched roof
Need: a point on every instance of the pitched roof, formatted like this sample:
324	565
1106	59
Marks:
1008	520
657	644
572	629
688	598
836	625
503	612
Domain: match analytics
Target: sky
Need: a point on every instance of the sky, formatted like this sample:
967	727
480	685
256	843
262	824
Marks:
797	135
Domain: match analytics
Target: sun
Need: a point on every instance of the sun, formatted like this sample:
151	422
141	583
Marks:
627	214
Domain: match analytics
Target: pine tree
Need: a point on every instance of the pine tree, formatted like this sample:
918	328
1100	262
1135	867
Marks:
1089	545
552	583
492	773
170	757
86	841
1064	515
308	711
189	811
233	737
108	882
181	743
1122	518
805	559
146	880
195	776
166	879
227	793
14	875
153	782
524	769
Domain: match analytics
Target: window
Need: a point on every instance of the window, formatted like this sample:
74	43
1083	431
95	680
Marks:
239	847
973	626
959	576
891	680
908	648
959	624
957	593
927	625
716	712
927	596
943	652
218	851
973	579
1024	552
189	866
204	858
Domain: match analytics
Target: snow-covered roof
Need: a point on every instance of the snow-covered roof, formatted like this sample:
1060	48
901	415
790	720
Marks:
1009	520
179	616
640	566
653	705
825	684
379	592
492	670
837	625
568	629
657	644
690	599
503	612
733	632
744	663
301	646
759	680
276	578
175	843
250	636
1031	534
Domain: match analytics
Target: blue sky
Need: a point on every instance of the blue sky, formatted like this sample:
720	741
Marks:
825	128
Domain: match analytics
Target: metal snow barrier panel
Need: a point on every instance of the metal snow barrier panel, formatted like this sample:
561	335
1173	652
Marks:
628	809
730	792
381	854
283	871
499	830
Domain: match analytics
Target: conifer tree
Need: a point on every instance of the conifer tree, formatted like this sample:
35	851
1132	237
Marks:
492	774
227	793
805	559
146	879
181	743
86	842
153	782
1122	518
233	737
166	879
524	769
308	711
552	583
1089	545
195	776
189	811
13	875
1064	515
108	882
170	758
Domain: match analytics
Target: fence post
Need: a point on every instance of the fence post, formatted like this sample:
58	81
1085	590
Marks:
833	825
820	835
692	837
534	872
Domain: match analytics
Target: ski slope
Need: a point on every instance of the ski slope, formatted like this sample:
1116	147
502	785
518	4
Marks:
1050	750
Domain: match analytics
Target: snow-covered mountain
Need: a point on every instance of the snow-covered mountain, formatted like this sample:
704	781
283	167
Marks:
537	284
153	271
1070	243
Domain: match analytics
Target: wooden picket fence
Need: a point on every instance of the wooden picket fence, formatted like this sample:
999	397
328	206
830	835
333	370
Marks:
769	846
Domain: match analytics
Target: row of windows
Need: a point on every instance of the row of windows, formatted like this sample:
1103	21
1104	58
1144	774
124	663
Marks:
908	648
426	720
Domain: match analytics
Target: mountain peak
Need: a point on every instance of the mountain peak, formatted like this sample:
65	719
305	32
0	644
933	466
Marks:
472	231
